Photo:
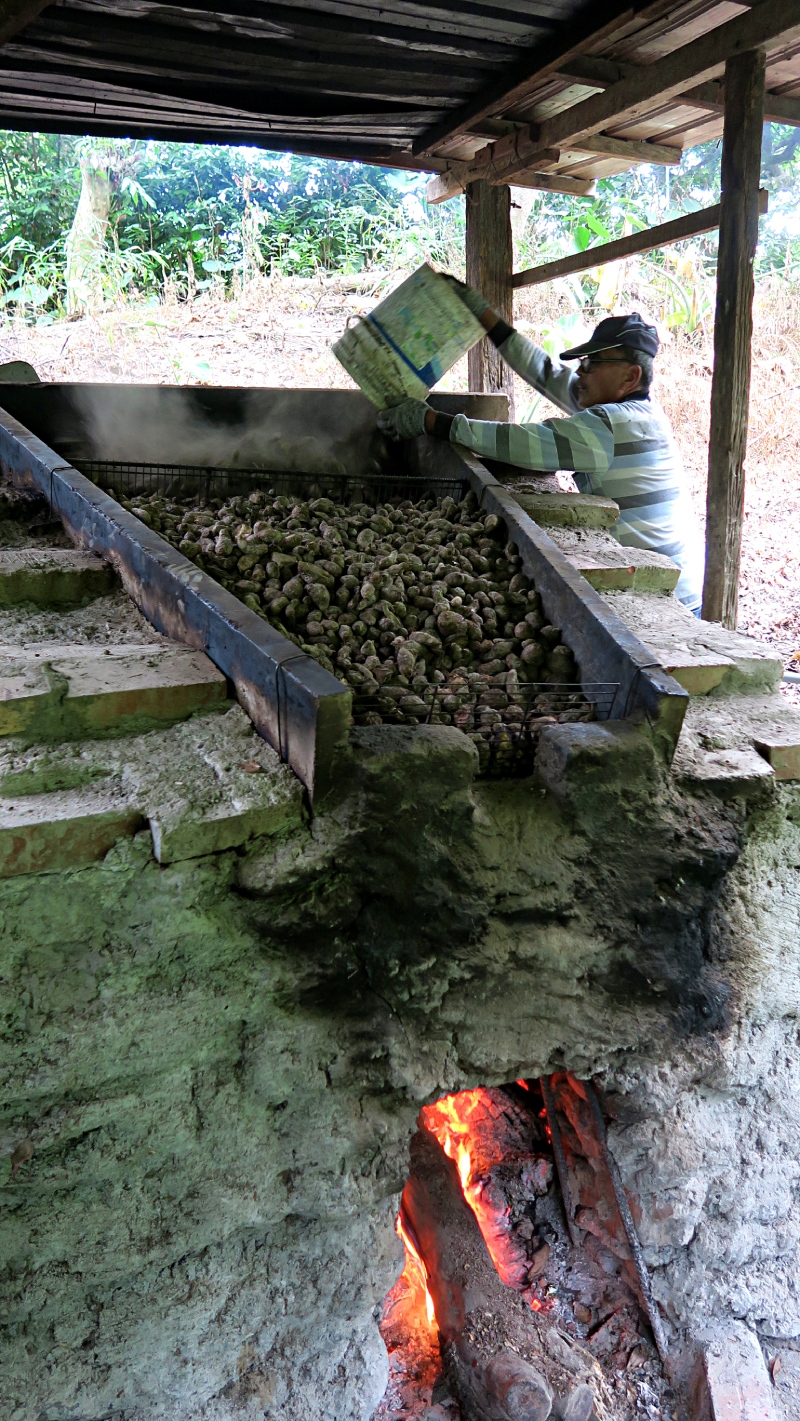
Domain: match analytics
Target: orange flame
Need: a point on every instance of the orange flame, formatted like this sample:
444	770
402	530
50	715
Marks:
449	1120
415	1270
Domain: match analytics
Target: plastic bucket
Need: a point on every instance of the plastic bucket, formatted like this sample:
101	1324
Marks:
403	348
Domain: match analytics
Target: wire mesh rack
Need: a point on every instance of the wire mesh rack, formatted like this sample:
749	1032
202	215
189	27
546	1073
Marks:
505	721
205	482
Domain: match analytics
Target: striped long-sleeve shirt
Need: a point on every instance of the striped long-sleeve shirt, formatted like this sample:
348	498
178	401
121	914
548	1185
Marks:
623	451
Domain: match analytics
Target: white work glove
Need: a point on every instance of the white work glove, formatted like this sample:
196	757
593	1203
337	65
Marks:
405	421
472	299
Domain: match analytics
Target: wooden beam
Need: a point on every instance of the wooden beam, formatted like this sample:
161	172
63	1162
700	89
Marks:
451	182
778	108
634	96
733	329
662	236
593	69
628	149
602	73
489	263
445	185
16	14
520	78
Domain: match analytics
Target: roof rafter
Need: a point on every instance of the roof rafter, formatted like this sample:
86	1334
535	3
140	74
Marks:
778	108
520	78
630	98
16	14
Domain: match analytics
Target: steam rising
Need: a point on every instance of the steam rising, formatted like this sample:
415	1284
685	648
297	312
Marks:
296	431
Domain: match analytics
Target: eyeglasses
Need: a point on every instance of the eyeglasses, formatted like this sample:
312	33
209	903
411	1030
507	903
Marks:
589	361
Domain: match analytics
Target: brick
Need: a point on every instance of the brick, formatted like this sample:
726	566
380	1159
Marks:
567	510
53	832
56	692
53	577
697	674
734	1384
782	751
610	567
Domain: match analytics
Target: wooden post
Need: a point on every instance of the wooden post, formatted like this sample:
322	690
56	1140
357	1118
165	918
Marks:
489	263
733	328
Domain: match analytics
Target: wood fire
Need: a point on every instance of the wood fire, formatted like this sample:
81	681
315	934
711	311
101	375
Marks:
497	1312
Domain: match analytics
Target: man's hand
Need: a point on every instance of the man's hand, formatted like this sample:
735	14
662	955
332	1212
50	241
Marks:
405	421
474	302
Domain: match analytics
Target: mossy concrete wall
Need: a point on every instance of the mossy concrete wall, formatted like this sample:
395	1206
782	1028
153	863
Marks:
211	1069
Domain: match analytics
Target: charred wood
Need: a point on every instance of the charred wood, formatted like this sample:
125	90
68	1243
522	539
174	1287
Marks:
502	1360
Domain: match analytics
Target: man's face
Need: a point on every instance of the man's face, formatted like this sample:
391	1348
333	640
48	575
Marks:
605	378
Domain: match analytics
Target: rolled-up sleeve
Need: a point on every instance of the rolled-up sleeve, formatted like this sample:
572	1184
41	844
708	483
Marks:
583	444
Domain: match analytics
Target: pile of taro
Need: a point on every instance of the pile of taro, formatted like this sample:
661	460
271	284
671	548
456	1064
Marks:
423	608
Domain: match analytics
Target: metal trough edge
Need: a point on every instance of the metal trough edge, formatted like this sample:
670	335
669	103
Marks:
604	647
298	707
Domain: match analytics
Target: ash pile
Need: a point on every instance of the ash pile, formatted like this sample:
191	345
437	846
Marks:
422	607
513	1296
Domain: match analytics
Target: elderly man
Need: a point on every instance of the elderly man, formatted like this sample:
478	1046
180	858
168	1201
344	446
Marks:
616	440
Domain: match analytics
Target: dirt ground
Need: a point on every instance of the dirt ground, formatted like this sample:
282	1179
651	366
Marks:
280	330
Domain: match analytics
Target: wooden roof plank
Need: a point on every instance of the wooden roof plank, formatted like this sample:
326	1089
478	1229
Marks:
502	93
634	95
16	14
302	76
141	42
505	32
284	23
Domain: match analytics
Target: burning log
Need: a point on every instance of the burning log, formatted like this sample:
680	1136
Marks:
502	1360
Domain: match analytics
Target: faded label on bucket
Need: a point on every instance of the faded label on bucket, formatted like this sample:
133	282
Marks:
407	343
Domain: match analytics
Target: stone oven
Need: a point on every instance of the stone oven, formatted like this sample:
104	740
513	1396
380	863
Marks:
292	927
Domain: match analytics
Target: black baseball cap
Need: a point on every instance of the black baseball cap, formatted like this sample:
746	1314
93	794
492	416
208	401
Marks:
615	331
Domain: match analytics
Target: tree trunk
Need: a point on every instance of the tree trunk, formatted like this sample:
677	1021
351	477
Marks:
87	236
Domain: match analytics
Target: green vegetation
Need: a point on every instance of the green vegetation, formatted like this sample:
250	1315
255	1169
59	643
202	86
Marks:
195	216
156	217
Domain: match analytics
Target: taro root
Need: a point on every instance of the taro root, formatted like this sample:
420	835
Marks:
424	609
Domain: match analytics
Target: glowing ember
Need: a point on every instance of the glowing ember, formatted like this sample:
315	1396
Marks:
415	1271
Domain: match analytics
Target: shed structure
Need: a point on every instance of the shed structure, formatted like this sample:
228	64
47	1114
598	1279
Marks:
551	94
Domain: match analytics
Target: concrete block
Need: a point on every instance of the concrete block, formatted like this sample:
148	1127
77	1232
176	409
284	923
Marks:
782	750
686	645
25	695
566	510
53	577
241	801
55	692
729	773
53	832
610	567
578	761
697	673
766	727
733	1383
141	684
